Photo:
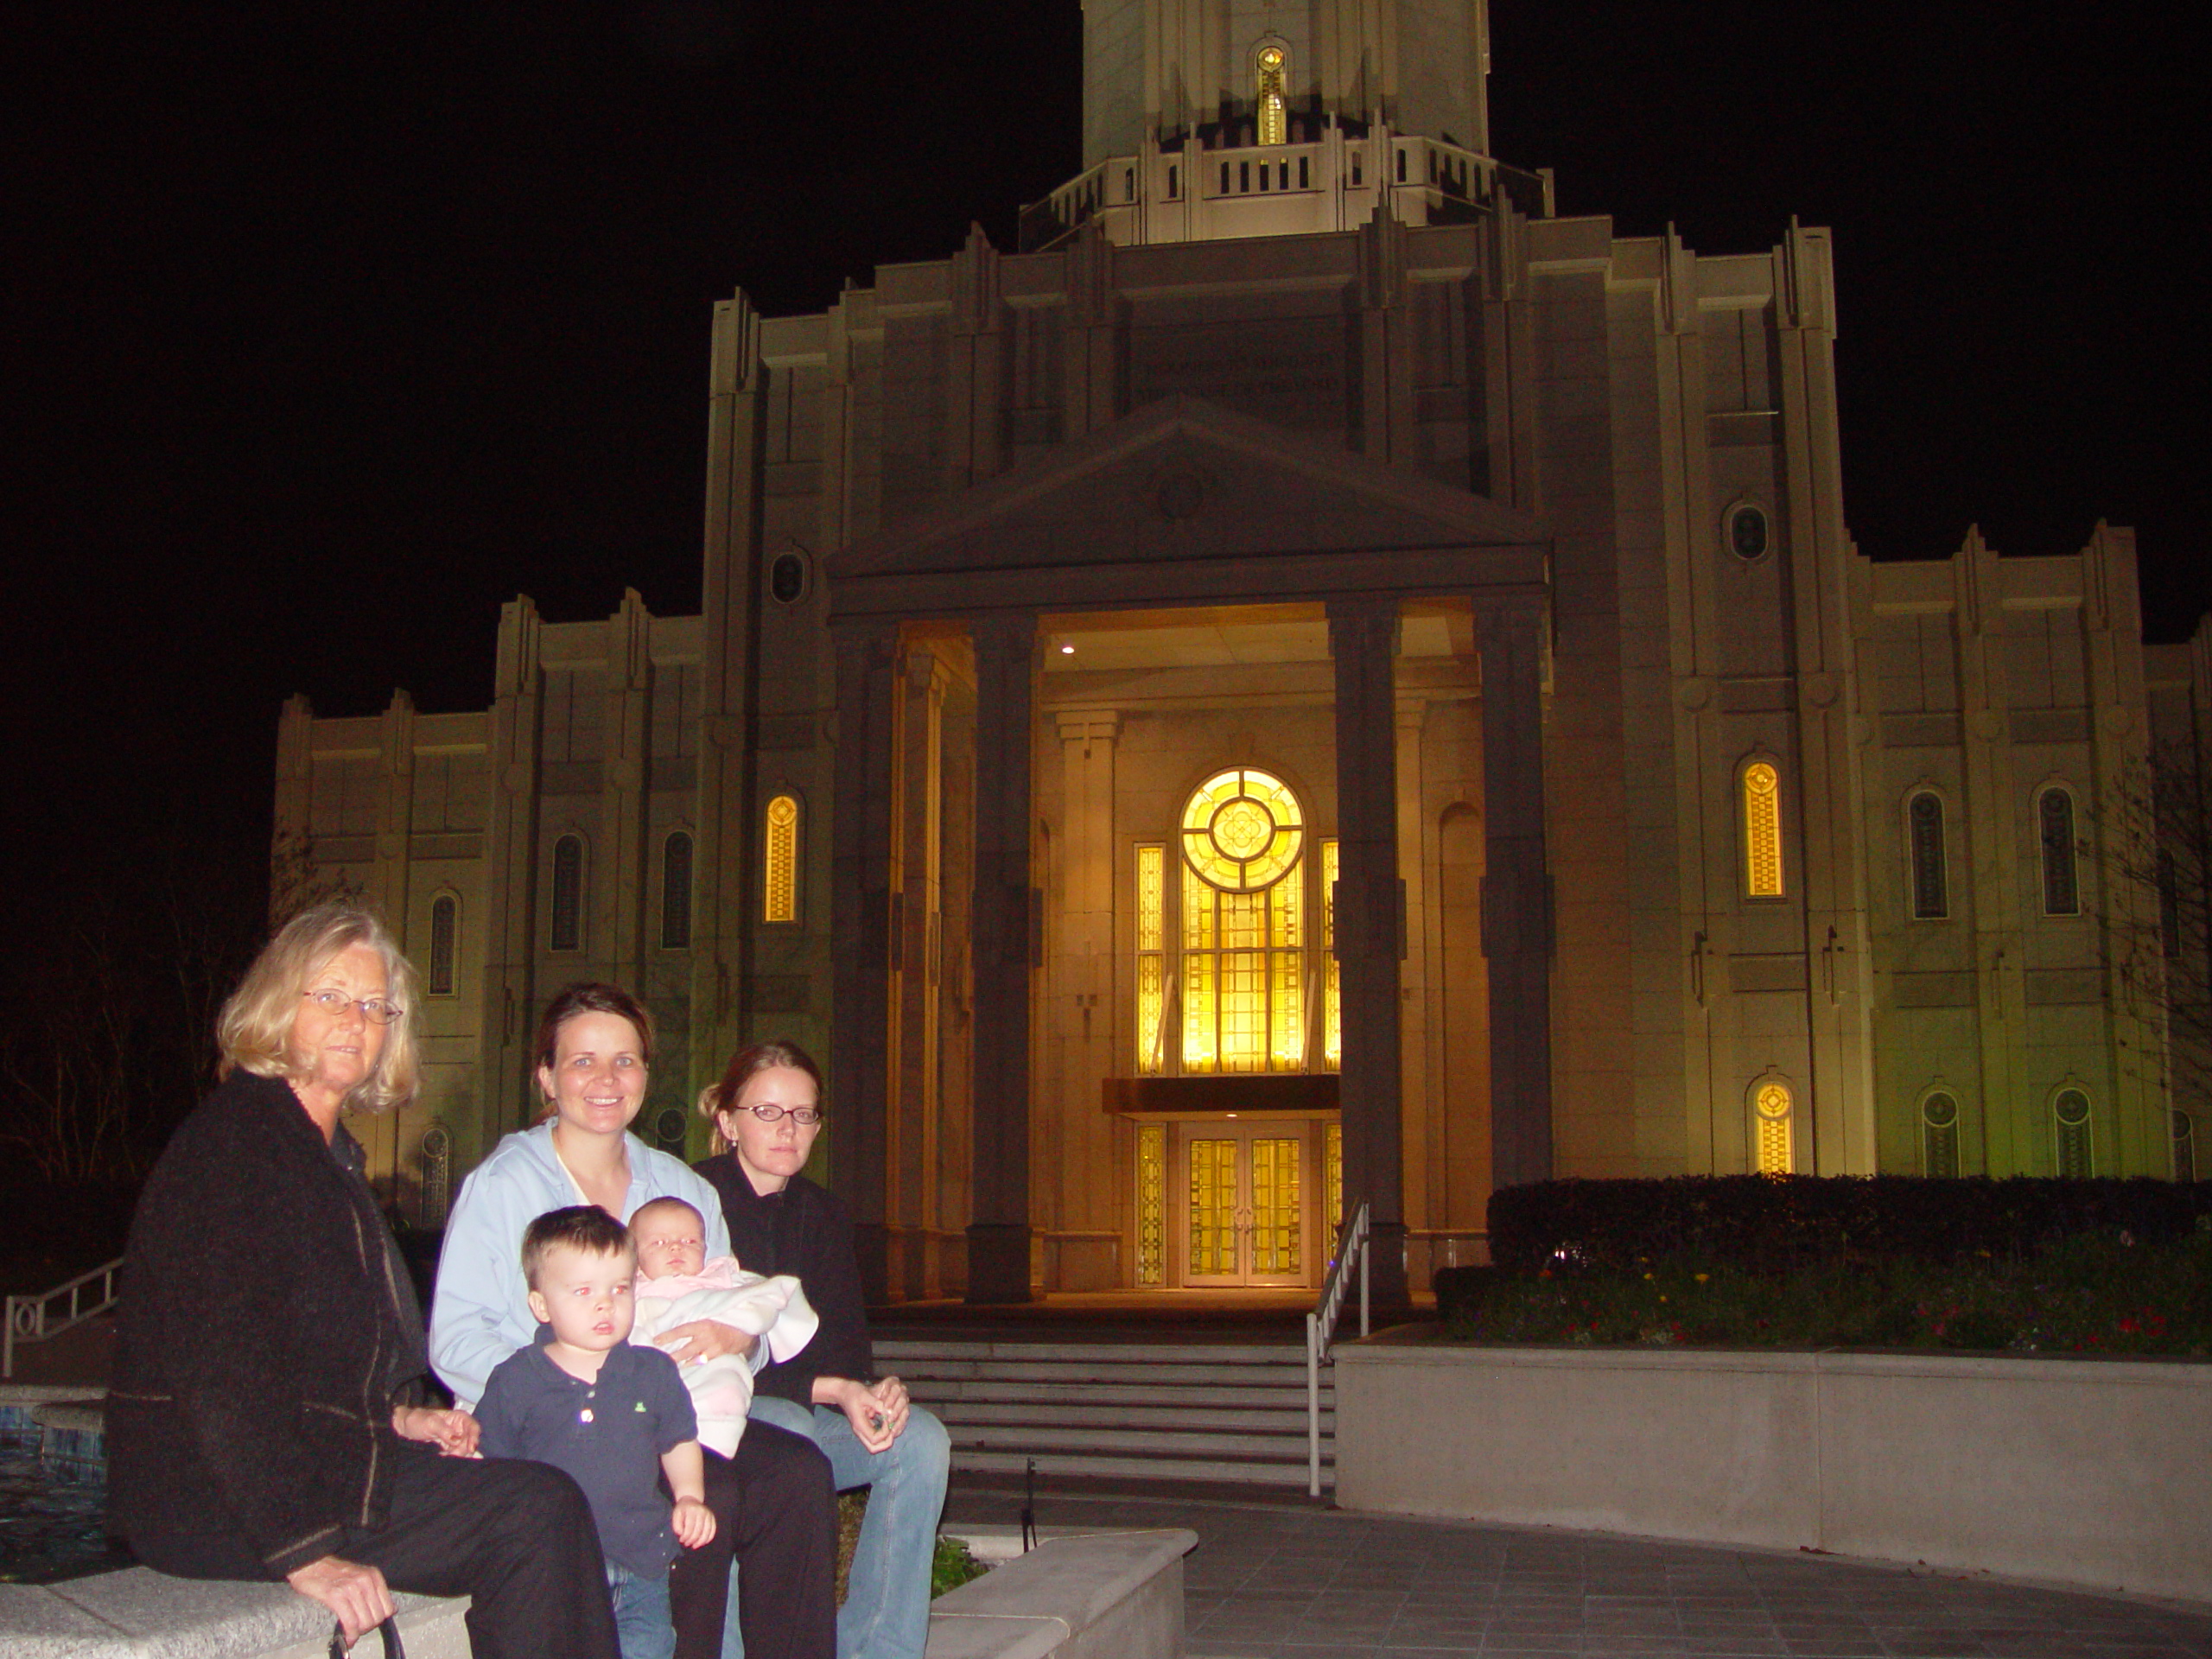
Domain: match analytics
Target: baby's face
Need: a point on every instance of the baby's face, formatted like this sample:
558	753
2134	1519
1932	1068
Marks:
670	1242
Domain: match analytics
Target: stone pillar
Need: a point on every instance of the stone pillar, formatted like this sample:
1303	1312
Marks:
508	1017
912	1150
1370	928
1079	1141
1516	890
622	862
1003	906
860	934
395	816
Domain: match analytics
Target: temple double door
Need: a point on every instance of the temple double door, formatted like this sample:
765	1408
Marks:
1252	1208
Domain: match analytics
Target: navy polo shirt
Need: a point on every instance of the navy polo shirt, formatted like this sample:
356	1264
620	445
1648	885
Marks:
608	1435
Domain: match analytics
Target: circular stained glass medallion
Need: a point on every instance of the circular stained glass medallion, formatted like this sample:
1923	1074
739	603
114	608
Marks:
1243	830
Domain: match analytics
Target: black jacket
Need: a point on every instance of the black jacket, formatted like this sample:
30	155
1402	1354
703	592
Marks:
805	1231
267	1328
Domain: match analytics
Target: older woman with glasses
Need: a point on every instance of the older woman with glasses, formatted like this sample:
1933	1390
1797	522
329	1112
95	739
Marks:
265	1420
766	1110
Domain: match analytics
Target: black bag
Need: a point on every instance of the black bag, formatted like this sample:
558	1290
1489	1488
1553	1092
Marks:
389	1630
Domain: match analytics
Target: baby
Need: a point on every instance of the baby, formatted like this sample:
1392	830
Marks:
677	1284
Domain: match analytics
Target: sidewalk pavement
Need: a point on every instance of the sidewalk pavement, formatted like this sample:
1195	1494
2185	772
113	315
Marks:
1280	1578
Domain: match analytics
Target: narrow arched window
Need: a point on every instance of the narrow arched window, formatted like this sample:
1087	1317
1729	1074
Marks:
2076	1157
436	1157
1152	959
2169	907
1770	1126
779	861
2185	1148
1931	893
1762	830
676	892
1939	1136
2061	888
1270	70
445	924
568	929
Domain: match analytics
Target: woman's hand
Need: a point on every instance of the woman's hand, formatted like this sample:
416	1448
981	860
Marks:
702	1339
876	1410
454	1433
357	1596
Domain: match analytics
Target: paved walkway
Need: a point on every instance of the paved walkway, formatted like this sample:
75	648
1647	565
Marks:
1282	1579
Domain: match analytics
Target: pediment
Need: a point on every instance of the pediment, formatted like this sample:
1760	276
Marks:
1184	502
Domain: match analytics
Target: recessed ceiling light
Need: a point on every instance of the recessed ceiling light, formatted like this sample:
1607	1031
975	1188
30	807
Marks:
1067	649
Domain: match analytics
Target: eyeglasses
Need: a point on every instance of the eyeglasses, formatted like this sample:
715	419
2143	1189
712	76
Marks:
768	1112
374	1009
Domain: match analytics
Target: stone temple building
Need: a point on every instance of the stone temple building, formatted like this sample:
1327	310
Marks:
1312	681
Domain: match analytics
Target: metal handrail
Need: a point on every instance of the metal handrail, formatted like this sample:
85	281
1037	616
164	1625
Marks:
1321	1329
27	1319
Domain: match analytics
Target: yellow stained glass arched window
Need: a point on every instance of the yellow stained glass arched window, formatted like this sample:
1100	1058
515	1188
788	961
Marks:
1243	936
1762	830
779	861
1770	1108
1270	66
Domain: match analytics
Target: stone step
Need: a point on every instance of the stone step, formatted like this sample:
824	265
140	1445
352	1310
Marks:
1113	1394
1225	1353
1172	1416
1152	1442
1158	1374
1220	1471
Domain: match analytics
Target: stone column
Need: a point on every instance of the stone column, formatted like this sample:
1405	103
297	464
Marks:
1370	928
1079	1141
912	1151
1003	904
860	934
508	1016
1516	890
396	818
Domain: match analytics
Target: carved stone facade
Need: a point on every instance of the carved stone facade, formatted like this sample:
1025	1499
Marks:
1498	562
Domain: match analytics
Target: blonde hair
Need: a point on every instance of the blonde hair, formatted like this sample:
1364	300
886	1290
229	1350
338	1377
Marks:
253	1032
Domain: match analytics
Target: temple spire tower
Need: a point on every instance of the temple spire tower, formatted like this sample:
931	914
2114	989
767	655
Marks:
1206	120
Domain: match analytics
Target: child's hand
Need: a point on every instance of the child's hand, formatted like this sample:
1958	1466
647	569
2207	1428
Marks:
694	1523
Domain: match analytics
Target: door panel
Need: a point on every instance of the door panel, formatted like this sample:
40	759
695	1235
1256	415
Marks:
1247	1204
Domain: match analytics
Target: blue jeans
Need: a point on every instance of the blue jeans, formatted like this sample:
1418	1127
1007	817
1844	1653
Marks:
886	1611
641	1612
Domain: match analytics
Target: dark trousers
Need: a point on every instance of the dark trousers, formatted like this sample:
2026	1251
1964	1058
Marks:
517	1538
777	1516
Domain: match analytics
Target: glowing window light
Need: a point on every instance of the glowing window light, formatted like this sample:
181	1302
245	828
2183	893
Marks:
780	901
1761	832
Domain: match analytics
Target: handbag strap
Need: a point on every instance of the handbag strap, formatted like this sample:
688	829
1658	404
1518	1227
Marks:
393	1648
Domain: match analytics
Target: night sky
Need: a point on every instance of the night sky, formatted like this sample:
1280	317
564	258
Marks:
333	327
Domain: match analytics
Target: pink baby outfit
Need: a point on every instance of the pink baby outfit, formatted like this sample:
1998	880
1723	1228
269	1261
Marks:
775	1310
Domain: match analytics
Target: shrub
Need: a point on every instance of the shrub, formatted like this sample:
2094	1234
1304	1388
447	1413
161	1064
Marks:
1770	1223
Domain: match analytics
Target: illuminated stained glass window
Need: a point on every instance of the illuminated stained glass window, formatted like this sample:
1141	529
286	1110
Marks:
1243	926
1212	1216
779	886
1333	1177
1277	1248
1761	832
1151	1204
1939	1136
1332	1004
1152	959
1771	1110
2071	1108
1270	65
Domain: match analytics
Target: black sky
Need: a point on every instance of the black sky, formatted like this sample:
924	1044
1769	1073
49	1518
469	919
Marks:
334	327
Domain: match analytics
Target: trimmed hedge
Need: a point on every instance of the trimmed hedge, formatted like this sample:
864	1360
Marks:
1787	1224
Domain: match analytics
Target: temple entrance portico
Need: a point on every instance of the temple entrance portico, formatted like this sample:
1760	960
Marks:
1130	856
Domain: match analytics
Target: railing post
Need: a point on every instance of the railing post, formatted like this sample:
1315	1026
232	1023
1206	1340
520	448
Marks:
8	1344
1313	1407
1365	1253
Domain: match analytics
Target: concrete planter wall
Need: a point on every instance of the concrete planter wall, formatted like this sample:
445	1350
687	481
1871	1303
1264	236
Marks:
2090	1472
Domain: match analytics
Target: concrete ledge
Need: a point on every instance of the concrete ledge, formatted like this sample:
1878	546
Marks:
139	1614
2084	1471
1099	1595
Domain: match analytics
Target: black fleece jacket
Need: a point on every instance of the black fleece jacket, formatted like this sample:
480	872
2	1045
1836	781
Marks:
267	1329
805	1231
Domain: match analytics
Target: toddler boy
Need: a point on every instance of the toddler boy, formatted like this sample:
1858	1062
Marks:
587	1401
677	1284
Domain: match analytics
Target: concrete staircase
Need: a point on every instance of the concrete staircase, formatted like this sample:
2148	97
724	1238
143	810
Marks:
1147	1406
